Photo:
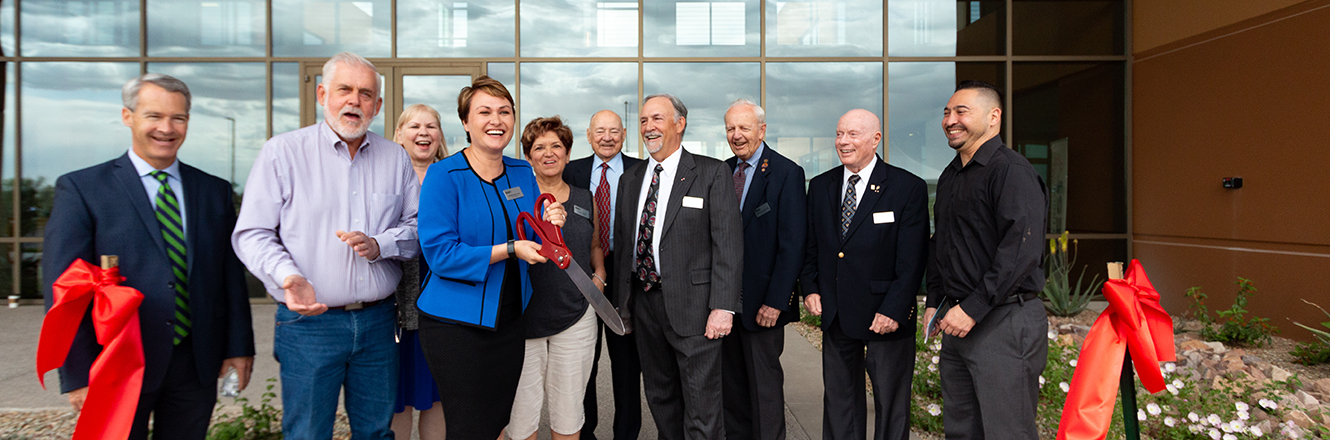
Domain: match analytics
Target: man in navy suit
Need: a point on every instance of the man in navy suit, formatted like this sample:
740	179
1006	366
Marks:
770	189
170	224
600	174
869	233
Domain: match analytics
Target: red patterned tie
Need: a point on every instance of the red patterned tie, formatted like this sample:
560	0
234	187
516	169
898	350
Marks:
739	182
603	205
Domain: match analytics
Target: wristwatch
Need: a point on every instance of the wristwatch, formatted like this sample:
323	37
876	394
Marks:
512	249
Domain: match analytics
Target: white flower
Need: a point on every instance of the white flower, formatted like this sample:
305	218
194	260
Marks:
1256	431
1242	406
1193	417
1153	408
1194	428
1230	437
1267	404
1072	363
1140	415
1170	422
935	359
1214	434
1064	386
1052	334
1226	427
1172	389
932	367
1214	419
934	410
1238	425
1177	383
1243	415
1170	367
1041	380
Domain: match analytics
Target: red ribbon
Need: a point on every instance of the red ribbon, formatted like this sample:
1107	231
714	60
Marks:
1134	321
116	377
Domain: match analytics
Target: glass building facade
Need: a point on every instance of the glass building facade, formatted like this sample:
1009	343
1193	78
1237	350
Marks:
252	67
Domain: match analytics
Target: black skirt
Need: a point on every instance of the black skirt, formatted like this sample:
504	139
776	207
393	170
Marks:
477	370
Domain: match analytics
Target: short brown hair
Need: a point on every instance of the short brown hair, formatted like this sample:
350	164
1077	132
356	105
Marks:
539	126
485	84
410	113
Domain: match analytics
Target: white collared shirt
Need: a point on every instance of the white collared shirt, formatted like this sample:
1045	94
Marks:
151	185
859	188
671	168
611	177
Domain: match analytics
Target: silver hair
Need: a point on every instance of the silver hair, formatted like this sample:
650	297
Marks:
757	109
680	112
129	94
350	59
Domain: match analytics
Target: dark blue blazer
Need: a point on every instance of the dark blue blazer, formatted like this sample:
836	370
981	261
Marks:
880	264
578	172
775	223
103	210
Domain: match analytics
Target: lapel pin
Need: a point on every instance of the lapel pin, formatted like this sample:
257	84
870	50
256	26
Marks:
764	165
875	188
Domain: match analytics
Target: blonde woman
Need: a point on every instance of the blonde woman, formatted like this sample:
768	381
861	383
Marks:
419	133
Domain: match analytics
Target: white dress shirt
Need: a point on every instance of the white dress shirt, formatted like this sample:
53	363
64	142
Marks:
671	168
151	185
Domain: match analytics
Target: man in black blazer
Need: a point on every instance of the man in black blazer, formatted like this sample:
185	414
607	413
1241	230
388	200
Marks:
679	280
866	256
599	173
113	209
775	220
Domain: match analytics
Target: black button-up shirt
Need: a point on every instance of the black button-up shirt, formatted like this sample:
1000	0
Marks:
988	242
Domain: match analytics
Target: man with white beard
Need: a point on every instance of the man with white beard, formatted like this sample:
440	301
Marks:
336	314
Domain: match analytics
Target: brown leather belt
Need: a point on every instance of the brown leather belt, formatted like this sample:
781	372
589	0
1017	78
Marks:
358	305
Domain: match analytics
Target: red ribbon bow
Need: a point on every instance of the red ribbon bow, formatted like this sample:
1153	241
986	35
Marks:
1134	321
116	377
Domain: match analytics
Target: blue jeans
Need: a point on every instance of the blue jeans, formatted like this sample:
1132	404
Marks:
321	354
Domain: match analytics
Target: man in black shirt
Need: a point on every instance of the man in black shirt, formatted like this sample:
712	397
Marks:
984	274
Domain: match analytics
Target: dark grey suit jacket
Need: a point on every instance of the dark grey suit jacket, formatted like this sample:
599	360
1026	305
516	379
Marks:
701	250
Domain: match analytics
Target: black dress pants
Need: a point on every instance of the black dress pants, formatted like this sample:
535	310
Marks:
181	408
625	379
890	364
754	382
990	378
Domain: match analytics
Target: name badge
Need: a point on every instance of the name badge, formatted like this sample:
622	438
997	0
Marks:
513	193
692	202
765	208
884	217
582	212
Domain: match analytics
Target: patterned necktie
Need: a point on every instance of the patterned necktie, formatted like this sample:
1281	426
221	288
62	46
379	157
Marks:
847	207
739	182
603	206
646	264
168	216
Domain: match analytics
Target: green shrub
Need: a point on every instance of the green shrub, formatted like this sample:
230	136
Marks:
1065	298
1232	326
809	318
1317	352
262	423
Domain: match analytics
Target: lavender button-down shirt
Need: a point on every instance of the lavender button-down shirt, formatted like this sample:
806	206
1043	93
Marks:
303	188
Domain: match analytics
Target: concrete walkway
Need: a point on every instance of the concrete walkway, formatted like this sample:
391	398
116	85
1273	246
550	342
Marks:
19	389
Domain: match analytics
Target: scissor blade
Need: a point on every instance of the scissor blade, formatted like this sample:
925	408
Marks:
606	311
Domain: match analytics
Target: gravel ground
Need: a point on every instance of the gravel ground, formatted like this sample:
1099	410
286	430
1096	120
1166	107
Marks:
52	424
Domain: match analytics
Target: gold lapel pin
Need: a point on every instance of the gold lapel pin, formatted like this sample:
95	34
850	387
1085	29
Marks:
875	188
764	165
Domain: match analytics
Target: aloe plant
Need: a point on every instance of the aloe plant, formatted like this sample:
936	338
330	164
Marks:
1063	297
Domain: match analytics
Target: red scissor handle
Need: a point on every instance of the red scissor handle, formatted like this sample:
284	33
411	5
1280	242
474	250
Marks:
551	237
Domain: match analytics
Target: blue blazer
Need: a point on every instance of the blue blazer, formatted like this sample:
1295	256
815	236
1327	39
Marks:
461	217
103	210
775	227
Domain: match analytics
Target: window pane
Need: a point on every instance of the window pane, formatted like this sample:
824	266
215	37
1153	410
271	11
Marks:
226	121
506	73
917	93
208	28
56	97
83	28
30	269
575	92
448	28
806	100
1065	27
707	100
7	273
306	28
439	92
946	28
7	172
1072	114
286	83
824	28
1091	255
701	29
7	28
579	28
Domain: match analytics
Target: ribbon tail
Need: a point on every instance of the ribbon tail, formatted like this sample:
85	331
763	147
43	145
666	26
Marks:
1094	386
114	386
72	291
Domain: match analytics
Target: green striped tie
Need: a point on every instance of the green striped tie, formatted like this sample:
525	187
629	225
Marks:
168	216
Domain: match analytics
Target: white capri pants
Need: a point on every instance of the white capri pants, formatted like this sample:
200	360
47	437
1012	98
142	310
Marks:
557	368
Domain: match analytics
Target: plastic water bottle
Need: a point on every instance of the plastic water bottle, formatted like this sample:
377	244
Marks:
231	383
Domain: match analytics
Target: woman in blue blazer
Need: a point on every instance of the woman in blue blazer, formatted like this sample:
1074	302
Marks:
471	303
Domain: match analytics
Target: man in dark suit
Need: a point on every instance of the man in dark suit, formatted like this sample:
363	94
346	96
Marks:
869	232
770	190
170	224
600	174
680	280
